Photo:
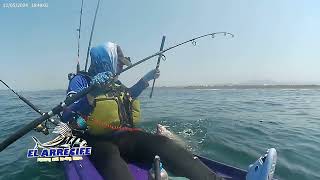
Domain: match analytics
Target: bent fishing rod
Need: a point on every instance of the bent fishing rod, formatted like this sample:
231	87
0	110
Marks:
193	41
57	109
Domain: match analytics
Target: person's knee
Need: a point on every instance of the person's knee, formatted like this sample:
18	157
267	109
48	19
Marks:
104	149
168	143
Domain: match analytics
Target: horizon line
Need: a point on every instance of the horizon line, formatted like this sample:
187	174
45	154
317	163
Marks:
226	86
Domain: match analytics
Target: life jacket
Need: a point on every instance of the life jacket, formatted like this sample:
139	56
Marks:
113	108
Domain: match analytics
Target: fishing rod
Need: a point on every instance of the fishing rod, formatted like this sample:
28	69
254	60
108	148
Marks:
79	32
193	41
28	103
92	29
57	109
158	63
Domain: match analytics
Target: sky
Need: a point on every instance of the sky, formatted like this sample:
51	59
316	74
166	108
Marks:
275	40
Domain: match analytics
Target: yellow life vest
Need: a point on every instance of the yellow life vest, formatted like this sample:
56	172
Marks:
113	110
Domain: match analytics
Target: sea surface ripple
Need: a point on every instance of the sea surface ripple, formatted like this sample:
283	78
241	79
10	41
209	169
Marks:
234	126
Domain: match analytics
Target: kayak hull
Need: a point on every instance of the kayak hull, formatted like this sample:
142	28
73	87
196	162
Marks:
226	171
85	170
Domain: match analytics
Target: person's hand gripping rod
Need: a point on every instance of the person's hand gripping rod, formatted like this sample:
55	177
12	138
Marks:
158	63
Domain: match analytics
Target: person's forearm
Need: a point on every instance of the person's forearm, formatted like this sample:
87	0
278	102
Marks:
137	89
69	111
77	84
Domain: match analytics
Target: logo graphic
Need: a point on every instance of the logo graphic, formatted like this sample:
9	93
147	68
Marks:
65	147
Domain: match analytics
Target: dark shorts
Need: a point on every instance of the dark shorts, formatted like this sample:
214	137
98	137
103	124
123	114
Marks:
110	154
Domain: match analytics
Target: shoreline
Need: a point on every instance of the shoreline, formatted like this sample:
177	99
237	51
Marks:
255	87
207	87
311	86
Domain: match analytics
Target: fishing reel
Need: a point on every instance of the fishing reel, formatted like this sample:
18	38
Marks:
42	128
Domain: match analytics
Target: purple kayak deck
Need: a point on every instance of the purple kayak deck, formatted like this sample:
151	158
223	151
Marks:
85	170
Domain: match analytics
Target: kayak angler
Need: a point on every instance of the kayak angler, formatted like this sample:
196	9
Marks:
140	136
118	142
99	140
59	108
261	169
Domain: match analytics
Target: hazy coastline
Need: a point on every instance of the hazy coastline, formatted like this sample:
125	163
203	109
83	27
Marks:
254	87
307	86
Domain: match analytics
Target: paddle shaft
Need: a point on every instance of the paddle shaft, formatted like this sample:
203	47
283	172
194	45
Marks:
158	63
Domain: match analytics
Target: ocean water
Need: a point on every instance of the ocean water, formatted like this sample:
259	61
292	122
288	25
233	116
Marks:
234	126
